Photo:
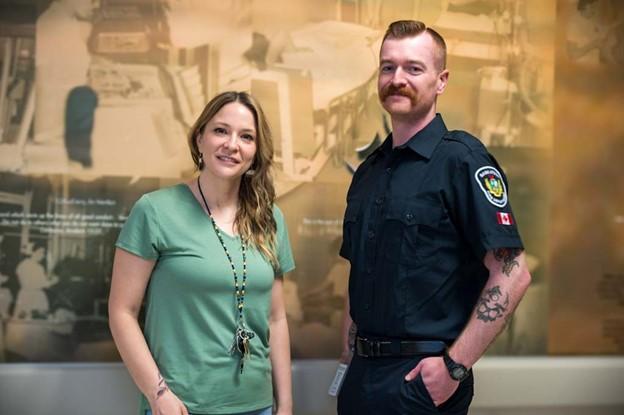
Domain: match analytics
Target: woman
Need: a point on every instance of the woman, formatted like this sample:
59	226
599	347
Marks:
213	251
32	301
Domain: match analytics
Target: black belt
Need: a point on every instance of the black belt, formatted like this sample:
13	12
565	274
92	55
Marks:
398	348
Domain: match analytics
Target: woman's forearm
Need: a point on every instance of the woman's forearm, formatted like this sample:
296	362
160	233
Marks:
280	360
131	275
136	354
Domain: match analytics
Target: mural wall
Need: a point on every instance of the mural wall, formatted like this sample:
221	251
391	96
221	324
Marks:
587	227
96	98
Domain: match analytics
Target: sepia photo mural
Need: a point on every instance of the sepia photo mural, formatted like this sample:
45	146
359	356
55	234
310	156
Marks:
586	307
96	98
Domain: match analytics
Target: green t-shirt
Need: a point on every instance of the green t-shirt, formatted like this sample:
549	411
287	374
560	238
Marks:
190	302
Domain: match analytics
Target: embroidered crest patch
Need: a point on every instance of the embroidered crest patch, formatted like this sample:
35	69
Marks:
491	183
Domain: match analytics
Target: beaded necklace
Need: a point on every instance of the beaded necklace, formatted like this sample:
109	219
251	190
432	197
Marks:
242	335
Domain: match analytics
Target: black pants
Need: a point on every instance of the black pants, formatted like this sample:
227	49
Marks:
78	146
377	387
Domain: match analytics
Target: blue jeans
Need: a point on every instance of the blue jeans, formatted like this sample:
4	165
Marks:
265	411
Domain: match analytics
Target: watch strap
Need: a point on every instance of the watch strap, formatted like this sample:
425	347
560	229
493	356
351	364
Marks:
456	370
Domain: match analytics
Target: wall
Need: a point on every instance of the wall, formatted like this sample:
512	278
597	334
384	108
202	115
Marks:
510	386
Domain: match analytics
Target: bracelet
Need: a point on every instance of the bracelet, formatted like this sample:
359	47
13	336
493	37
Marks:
162	386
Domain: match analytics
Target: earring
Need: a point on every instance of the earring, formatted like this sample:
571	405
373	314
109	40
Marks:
250	172
200	163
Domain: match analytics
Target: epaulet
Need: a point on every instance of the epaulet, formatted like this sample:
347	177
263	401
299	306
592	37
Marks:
463	137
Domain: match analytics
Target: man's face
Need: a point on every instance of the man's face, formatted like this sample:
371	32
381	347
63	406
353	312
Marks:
409	77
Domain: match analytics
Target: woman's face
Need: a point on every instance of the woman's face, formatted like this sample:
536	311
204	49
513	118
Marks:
228	142
38	254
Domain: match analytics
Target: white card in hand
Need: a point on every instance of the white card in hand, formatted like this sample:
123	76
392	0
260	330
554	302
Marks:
338	378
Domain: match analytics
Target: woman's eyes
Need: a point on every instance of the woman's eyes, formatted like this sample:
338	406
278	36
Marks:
247	137
223	131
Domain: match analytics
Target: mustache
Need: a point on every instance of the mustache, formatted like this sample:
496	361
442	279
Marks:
394	90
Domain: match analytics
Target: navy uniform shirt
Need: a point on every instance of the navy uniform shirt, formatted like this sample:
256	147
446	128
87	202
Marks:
419	221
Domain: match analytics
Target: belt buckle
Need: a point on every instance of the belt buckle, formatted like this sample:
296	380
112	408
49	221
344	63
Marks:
363	342
373	347
377	345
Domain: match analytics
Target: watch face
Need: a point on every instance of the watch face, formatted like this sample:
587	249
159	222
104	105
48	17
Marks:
459	373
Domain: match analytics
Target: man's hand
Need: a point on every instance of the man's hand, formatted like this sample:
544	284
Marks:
346	357
436	379
349	331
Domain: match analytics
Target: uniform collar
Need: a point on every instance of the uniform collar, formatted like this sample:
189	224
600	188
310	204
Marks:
424	141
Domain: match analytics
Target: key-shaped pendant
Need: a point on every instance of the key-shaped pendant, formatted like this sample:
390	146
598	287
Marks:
236	343
244	349
242	345
241	342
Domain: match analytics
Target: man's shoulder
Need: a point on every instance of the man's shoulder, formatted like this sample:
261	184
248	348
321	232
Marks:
366	164
463	141
459	145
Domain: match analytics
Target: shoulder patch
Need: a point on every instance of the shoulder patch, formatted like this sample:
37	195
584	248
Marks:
491	183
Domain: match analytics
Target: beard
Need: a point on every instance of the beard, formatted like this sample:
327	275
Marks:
404	91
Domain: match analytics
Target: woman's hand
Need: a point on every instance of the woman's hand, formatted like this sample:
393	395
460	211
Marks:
168	404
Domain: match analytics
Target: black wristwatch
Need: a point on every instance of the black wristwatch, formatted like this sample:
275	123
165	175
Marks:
456	370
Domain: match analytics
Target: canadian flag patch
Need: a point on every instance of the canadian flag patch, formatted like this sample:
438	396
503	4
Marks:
504	218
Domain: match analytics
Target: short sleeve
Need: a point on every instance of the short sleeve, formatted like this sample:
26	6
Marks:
348	223
140	234
481	204
284	251
351	214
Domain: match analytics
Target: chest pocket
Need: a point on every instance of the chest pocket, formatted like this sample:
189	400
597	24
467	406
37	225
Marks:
351	228
413	226
415	249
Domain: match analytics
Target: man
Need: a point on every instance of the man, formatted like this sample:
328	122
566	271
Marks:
436	259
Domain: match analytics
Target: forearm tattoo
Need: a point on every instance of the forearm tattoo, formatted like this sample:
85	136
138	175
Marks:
491	305
352	332
162	386
508	257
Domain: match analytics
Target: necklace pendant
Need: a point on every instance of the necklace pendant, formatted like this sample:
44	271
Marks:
235	348
245	347
241	343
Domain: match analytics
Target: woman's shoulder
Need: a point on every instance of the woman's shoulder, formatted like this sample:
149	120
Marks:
278	215
169	194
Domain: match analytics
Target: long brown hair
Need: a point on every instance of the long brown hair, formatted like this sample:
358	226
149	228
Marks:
254	219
